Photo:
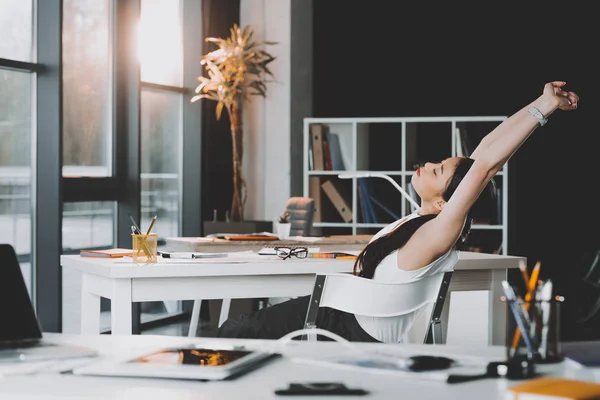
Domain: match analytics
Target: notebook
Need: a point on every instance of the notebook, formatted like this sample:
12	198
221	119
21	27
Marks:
554	388
108	253
21	337
251	237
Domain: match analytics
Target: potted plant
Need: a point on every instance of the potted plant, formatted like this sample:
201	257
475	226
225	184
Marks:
237	70
284	226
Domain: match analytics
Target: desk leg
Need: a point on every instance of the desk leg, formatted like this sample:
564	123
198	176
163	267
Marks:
90	308
497	309
120	307
193	329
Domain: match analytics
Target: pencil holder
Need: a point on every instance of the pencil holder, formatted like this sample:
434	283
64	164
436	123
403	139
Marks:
145	248
541	320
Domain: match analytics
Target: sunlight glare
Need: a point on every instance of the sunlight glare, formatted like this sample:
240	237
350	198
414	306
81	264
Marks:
160	42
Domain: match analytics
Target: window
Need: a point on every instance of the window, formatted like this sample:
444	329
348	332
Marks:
76	115
161	59
16	129
16	30
161	127
87	82
160	42
88	225
161	63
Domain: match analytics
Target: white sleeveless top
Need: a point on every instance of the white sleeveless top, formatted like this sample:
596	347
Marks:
393	329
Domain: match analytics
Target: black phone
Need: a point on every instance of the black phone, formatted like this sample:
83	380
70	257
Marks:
319	389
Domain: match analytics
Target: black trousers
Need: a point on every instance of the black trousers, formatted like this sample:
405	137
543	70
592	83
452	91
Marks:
280	319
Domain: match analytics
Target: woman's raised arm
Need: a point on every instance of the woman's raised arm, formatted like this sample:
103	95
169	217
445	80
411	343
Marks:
551	89
495	150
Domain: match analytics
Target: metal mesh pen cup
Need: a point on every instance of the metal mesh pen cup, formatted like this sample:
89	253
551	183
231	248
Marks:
541	321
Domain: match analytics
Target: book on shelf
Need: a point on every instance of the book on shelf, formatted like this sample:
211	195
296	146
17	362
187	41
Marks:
108	253
314	192
335	151
327	155
337	199
317	133
366	201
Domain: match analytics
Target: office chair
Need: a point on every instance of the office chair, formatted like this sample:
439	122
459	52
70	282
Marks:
301	211
361	296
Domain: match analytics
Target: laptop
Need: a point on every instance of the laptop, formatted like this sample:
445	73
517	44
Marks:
21	337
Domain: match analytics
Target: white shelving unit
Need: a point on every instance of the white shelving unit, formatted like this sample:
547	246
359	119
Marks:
395	146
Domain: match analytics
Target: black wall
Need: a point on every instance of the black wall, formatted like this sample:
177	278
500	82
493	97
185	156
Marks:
385	58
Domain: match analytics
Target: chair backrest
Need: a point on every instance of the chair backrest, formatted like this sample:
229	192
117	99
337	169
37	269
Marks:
301	211
362	296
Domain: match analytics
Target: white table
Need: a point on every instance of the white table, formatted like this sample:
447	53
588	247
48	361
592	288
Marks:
49	384
258	276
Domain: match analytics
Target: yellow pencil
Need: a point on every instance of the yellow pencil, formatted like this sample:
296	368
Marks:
531	284
151	225
533	280
143	240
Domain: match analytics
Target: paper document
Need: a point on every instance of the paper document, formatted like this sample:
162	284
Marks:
193	239
388	366
235	257
231	235
309	239
189	255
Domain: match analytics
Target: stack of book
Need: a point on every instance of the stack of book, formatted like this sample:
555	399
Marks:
108	253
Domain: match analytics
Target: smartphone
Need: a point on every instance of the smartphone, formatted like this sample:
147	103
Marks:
319	389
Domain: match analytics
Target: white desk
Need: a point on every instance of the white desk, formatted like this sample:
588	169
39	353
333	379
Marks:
214	245
261	383
260	276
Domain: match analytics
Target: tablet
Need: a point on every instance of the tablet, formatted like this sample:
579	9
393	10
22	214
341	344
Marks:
197	363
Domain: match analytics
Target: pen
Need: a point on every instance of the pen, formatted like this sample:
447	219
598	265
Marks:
511	298
530	287
546	298
138	231
187	256
135	230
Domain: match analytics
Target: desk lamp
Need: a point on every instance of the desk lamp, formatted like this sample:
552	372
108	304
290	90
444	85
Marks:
384	176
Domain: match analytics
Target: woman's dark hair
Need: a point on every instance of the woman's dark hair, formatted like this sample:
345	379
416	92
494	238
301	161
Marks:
374	252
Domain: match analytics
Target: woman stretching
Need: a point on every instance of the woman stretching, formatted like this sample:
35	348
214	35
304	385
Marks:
420	244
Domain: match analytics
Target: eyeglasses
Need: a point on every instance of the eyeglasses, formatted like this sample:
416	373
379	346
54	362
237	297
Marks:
287	252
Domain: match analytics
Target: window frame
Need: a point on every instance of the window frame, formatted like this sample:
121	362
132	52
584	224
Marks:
50	190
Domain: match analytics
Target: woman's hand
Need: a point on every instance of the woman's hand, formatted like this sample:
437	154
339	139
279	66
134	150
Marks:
559	98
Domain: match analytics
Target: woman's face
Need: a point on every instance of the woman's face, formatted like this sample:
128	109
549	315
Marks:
431	180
